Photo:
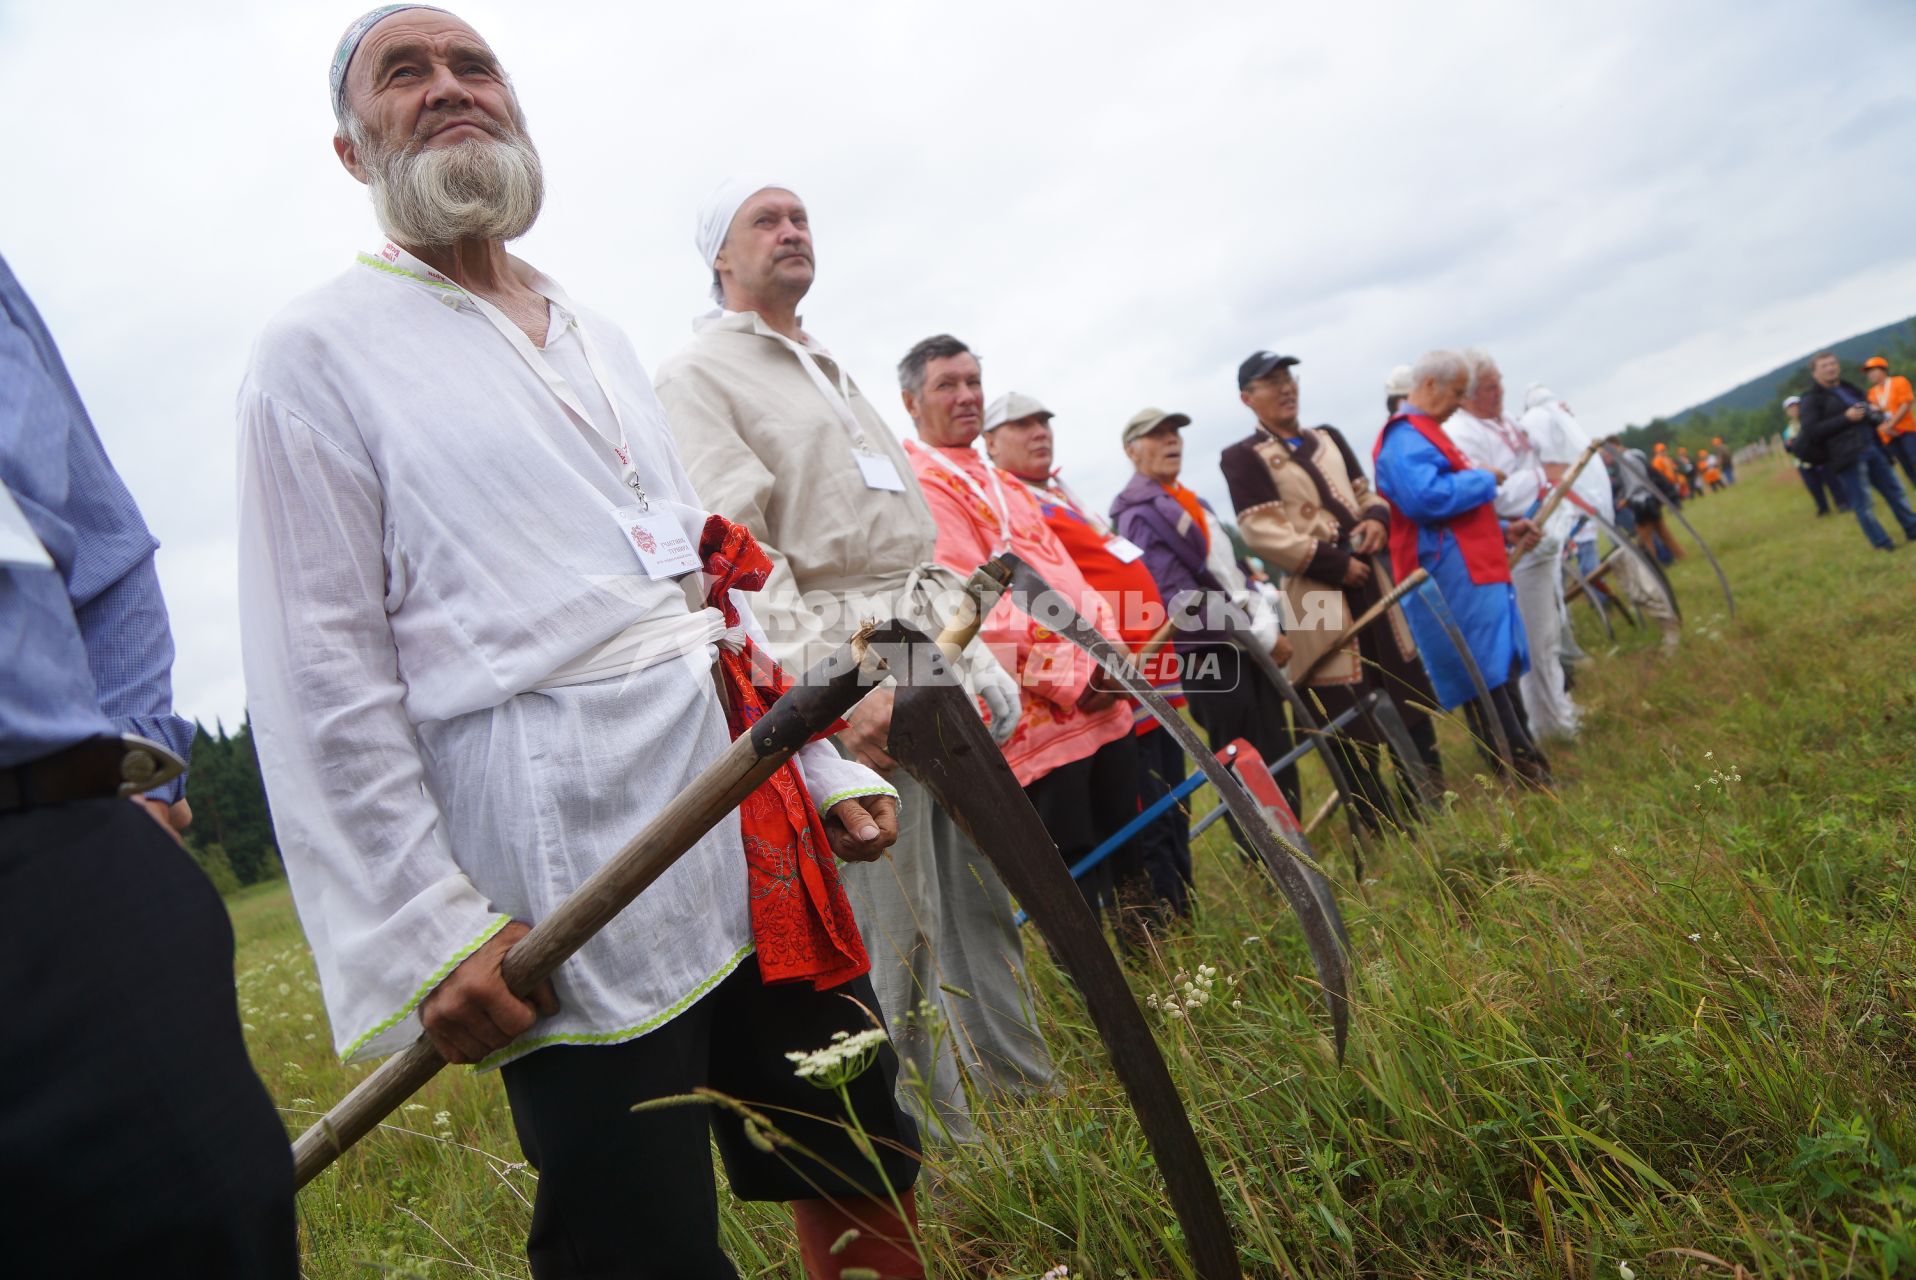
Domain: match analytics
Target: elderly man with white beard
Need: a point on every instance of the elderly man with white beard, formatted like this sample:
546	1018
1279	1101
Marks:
1487	435
777	434
474	673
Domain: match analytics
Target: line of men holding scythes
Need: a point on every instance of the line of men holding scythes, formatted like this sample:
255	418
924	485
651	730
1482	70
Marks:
487	565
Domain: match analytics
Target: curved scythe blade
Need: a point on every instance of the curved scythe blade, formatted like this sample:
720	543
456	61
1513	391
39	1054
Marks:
1722	578
1307	721
936	733
1301	880
1634	550
1433	598
1590	592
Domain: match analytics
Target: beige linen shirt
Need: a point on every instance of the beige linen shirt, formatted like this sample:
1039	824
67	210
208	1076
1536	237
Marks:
765	447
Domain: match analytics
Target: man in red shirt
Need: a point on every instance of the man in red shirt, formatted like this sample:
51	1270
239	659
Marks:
1072	751
1018	440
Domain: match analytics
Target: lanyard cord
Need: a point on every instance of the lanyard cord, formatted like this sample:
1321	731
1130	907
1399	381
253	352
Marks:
996	501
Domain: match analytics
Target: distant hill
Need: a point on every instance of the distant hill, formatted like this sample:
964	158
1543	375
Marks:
1761	392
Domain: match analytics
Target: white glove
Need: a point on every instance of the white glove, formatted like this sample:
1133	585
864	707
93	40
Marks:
1264	624
985	678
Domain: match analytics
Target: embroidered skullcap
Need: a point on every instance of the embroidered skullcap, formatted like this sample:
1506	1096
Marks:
349	44
715	218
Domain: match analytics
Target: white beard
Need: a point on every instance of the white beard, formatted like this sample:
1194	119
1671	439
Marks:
479	189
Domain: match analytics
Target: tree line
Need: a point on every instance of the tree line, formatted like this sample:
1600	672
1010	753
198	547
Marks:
1738	427
232	832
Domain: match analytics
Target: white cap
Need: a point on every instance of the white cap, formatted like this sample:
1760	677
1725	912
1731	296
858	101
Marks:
1792	400
1398	383
1011	406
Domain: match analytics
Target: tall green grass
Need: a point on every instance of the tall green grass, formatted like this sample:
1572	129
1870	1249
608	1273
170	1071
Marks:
1664	1019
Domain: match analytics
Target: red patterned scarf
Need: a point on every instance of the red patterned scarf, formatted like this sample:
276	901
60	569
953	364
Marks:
801	921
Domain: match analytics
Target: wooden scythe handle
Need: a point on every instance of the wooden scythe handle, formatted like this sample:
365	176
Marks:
1561	489
1412	580
825	694
987	582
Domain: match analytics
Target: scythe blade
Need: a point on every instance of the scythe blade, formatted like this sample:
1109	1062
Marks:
1300	879
1433	598
937	735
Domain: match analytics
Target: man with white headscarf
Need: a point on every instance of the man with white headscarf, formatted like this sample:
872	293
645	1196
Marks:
474	673
1560	441
776	434
1487	435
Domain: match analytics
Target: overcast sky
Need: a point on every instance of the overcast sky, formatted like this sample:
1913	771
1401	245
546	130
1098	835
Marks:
1641	204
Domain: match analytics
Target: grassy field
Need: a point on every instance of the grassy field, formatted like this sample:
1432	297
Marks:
1662	1023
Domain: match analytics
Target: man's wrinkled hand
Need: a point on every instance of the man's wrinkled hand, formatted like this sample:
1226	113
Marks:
1281	652
473	1013
868	729
1356	572
1368	537
862	828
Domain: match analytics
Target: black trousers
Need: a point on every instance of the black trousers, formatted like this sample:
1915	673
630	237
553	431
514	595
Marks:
1084	802
135	1139
1231	699
1360	748
627	1195
1510	715
1166	843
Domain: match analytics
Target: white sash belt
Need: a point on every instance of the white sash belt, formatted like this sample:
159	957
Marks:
648	642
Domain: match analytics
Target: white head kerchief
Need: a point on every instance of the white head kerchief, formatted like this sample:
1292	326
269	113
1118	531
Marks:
715	218
1537	395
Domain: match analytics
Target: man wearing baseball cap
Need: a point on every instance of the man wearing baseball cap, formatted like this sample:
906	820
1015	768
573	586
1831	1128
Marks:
1195	566
1019	440
1891	394
1397	388
1305	506
1072	750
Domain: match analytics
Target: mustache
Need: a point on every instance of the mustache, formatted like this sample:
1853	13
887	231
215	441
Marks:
432	123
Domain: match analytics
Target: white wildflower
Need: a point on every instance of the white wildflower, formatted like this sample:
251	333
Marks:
1626	1271
1696	937
839	1062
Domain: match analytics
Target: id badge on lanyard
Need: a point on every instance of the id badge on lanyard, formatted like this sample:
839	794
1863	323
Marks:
874	468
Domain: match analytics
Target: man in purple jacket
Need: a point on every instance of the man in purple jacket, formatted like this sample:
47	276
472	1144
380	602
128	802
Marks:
1191	558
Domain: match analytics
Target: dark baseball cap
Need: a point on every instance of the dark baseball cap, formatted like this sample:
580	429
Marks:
1262	364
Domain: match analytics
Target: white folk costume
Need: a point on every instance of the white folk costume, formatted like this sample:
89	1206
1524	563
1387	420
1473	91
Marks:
777	436
466	690
1504	445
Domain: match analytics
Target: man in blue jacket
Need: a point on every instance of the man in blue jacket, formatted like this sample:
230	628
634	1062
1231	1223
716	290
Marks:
135	1137
1839	431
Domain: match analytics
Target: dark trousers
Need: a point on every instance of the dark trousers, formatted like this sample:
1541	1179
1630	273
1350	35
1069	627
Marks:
1231	699
1529	760
1872	471
1166	843
1814	482
135	1139
630	1195
1360	748
1903	448
1084	802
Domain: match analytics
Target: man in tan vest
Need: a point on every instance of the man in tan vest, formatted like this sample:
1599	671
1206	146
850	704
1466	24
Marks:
776	435
1305	506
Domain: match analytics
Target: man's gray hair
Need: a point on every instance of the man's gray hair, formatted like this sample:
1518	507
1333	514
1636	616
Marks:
1479	363
1438	366
911	370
